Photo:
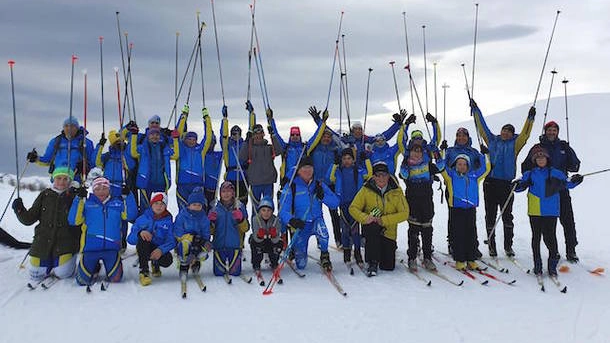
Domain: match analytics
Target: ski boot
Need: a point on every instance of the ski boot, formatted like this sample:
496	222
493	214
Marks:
473	265
412	264
459	265
571	256
429	265
347	255
145	279
372	269
509	251
156	270
492	250
553	266
358	256
325	261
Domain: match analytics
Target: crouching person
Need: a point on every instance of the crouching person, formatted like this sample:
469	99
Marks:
55	244
265	238
153	236
192	231
102	216
228	224
379	206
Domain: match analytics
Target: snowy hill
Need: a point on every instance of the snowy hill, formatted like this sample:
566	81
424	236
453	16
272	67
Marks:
393	307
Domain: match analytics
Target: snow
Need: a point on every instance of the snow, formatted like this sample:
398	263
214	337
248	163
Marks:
392	307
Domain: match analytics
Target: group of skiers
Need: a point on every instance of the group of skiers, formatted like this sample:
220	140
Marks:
353	175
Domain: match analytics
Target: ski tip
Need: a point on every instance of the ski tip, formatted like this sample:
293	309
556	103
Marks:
344	294
429	283
262	283
542	288
265	292
485	283
183	295
351	271
461	283
564	290
88	289
512	282
528	271
280	281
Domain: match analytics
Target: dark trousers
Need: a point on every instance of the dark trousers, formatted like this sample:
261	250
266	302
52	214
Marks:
544	227
144	250
336	222
426	237
462	233
210	196
378	248
566	218
421	212
350	229
449	239
496	193
266	246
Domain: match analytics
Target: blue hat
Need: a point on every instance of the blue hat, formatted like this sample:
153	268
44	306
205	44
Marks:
463	157
71	121
265	202
154	118
197	198
190	134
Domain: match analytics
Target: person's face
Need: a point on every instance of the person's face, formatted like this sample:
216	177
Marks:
347	161
295	137
154	137
70	130
327	138
101	193
506	134
416	153
461	138
357	132
158	207
541	161
461	166
227	194
190	142
265	213
195	207
61	182
154	125
381	179
379	142
306	173
551	133
258	136
235	135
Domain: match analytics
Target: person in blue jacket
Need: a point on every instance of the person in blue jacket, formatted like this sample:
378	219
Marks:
544	183
68	145
154	172
347	180
229	223
382	152
417	137
503	151
192	232
212	165
301	208
463	198
153	236
189	156
564	158
101	216
231	142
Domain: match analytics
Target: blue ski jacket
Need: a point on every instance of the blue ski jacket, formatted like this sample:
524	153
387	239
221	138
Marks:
544	186
227	232
306	205
161	228
463	189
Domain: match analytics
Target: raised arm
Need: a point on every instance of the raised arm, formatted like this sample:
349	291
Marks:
480	123
524	135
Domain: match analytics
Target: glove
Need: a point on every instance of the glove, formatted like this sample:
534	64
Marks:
532	113
175	134
212	216
103	140
32	156
185	109
269	113
238	215
325	115
270	130
125	190
18	205
205	113
515	183
444	145
260	233
296	223
319	191
314	113
225	112
166	132
249	106
484	150
337	159
411	119
577	178
473	104
396	118
81	192
132	127
430	118
272	232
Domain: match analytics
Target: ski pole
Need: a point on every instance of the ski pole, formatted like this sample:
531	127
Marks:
101	39
118	26
548	99
469	99
14	190
175	110
260	61
332	70
74	58
423	27
188	94
118	95
84	141
248	92
404	17
510	196
545	58
395	85
130	78
474	49
445	86
366	103
565	92
435	97
222	88
418	99
346	92
199	24
22	264
11	64
596	172
260	77
126	100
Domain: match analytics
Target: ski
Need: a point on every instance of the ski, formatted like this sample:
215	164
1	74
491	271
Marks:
445	277
259	277
540	282
49	282
294	269
464	271
514	261
183	276
561	287
331	277
416	273
245	278
494	264
495	278
200	282
228	279
33	285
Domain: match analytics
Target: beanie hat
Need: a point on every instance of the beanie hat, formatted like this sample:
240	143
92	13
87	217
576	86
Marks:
551	124
538	151
295	131
380	167
100	182
114	137
197	197
227	184
190	134
357	125
348	151
305	161
462	130
71	121
258	128
509	127
158	196
463	157
417	134
235	129
63	171
154	119
265	202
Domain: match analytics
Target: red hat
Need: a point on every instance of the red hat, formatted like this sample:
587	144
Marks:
551	124
538	151
158	196
295	130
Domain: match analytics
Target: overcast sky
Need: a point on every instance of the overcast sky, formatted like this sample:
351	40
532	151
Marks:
297	44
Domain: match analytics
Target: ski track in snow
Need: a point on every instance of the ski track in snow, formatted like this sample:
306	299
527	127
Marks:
391	307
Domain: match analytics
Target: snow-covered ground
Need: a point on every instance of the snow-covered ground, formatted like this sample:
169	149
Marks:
392	307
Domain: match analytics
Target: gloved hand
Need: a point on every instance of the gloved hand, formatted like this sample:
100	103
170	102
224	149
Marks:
325	115
225	111
185	109
444	145
314	113
175	134
18	205
249	106
205	113
270	129
484	150
166	132
132	127
319	191
269	113
430	118
238	215
473	104
212	216
411	119
577	178
125	190
296	223
532	113
103	140
515	182
273	232
396	118
81	192
260	233
32	156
